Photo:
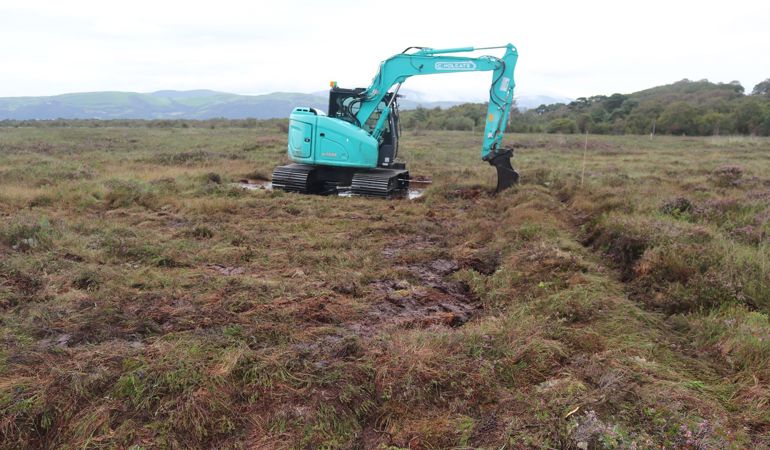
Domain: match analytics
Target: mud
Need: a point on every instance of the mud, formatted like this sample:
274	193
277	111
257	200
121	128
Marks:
414	192
433	301
420	181
254	185
225	270
468	193
485	262
412	242
409	194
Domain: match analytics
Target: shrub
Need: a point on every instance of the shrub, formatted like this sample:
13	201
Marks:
740	336
87	281
124	193
567	126
727	176
680	278
213	177
27	234
202	232
676	207
459	123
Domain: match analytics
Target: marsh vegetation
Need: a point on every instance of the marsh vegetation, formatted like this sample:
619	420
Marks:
617	298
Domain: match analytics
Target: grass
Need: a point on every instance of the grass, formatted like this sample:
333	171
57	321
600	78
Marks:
146	302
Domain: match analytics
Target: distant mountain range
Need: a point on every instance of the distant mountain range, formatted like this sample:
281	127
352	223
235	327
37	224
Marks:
197	104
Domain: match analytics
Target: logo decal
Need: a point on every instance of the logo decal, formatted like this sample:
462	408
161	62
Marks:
504	84
455	65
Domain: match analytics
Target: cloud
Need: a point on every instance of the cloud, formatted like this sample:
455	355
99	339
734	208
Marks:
567	48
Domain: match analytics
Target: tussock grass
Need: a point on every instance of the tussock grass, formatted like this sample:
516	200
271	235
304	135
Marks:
146	302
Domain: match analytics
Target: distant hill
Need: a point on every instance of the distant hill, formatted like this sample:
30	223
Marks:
524	102
685	107
198	104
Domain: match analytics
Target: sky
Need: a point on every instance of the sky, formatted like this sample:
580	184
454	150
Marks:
566	48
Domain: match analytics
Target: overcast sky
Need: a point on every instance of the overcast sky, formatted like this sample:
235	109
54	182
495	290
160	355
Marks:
568	48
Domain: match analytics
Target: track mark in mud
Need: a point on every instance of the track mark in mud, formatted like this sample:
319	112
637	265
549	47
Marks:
432	300
411	243
225	270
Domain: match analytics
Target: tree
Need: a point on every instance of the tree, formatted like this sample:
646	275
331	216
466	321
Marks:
735	84
562	126
459	123
679	118
762	88
579	104
614	101
712	123
749	116
764	129
583	122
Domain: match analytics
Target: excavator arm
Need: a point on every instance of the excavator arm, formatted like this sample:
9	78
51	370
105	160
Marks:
427	61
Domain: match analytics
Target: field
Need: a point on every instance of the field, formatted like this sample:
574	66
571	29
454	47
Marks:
617	298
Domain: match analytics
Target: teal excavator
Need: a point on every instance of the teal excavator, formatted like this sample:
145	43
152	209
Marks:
355	145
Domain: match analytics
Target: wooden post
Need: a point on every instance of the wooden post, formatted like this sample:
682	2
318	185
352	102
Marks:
585	150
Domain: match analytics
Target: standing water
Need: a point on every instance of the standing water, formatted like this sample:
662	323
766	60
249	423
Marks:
416	187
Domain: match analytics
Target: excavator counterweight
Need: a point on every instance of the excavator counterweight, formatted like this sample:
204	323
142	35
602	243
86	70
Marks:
355	146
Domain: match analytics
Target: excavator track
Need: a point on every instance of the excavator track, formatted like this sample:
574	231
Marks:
380	183
323	180
295	178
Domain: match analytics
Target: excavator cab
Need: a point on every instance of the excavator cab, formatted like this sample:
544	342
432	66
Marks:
335	151
388	149
344	104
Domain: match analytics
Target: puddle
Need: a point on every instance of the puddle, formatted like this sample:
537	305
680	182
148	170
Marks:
415	191
417	186
409	194
254	185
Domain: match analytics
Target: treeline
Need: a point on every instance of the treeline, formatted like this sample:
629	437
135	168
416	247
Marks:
693	108
468	116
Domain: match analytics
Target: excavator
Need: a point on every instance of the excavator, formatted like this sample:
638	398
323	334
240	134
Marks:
354	147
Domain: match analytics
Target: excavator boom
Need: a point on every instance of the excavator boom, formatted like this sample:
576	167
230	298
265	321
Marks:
426	61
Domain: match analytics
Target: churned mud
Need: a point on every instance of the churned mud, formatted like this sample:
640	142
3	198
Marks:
431	299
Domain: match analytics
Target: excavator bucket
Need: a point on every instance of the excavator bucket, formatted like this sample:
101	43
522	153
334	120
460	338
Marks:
506	176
